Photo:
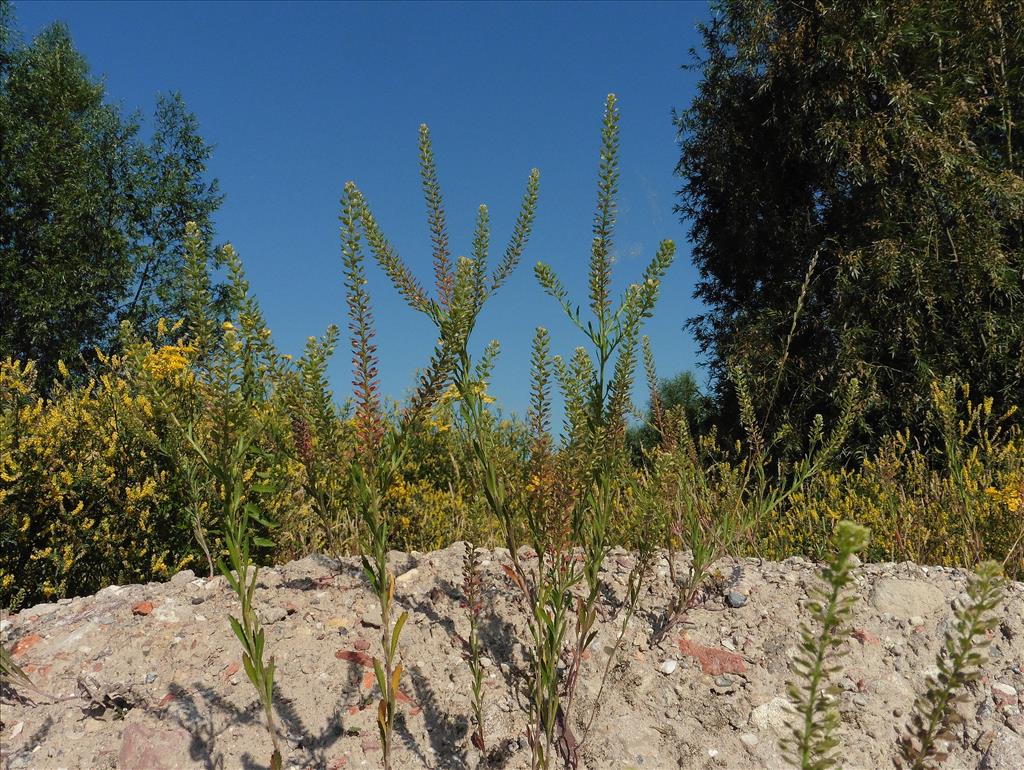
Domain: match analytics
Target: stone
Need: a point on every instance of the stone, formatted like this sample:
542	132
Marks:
142	608
735	599
166	613
407	577
25	644
1004	752
865	637
749	741
668	667
145	747
273	614
269	578
183	577
772	716
907	599
713	661
1004	695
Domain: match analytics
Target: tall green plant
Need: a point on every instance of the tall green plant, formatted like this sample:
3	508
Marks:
462	287
381	445
923	745
812	744
603	382
236	367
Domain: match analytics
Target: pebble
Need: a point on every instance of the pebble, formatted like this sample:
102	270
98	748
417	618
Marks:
273	614
668	667
407	577
735	599
749	741
185	576
1004	695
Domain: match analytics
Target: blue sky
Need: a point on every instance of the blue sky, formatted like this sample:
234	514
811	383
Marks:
300	97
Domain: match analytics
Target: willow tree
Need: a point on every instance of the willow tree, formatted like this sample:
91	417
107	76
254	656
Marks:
880	143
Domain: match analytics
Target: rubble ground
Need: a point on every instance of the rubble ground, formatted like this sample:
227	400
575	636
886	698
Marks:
147	677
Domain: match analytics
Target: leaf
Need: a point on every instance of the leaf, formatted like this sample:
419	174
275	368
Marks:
237	628
398	630
396	678
250	670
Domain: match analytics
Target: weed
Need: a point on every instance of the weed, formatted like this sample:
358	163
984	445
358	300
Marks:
462	287
472	589
380	447
600	391
922	747
812	745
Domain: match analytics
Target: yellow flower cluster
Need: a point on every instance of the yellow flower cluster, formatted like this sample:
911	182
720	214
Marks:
89	494
169	361
916	511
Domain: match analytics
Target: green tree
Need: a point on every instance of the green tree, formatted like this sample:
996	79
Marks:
91	216
673	392
67	208
173	191
878	142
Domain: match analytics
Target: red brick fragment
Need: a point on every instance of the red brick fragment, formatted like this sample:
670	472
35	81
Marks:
713	661
229	670
355	656
143	608
337	763
145	747
865	637
369	680
25	644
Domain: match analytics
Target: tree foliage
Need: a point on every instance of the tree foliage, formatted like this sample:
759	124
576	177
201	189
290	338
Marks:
680	391
91	216
881	140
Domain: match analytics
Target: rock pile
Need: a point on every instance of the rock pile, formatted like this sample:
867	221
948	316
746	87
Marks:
148	677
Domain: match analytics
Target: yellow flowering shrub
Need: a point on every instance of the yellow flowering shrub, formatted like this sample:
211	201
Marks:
958	504
96	487
87	497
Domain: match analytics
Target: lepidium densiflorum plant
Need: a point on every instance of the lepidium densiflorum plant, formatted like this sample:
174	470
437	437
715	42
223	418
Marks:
462	286
324	446
720	496
381	444
926	741
599	382
812	744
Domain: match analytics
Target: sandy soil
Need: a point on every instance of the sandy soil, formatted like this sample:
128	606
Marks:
152	680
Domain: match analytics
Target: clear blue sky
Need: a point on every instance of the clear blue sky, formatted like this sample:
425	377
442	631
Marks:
300	97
